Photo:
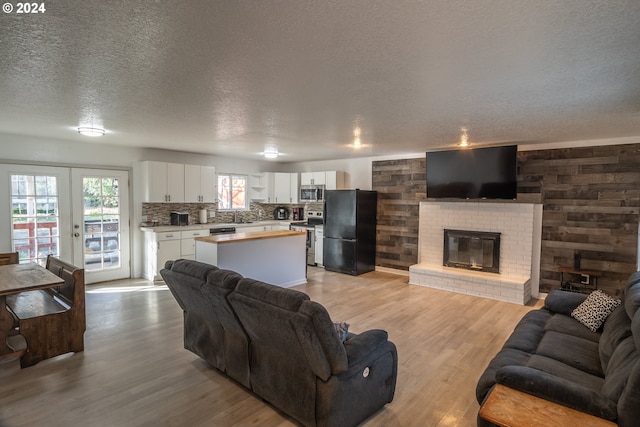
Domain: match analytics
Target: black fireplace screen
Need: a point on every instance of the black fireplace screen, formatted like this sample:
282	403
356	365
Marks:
472	250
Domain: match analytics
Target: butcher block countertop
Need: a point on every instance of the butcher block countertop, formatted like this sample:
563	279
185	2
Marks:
253	235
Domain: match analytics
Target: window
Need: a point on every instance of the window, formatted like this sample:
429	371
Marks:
34	217
232	192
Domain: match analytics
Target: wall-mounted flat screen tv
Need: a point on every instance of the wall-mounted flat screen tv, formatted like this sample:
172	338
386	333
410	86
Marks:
480	173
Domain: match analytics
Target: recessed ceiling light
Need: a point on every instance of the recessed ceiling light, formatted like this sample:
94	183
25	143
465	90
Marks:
464	138
90	131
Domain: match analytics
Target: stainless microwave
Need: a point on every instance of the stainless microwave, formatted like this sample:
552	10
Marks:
311	193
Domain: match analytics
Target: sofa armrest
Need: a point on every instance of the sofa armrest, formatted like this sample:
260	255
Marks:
361	345
563	302
558	390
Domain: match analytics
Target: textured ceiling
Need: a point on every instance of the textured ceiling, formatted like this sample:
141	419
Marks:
225	77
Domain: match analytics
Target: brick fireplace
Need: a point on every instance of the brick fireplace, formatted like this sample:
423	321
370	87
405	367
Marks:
519	226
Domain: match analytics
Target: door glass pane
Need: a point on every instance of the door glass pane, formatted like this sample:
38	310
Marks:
101	219
34	217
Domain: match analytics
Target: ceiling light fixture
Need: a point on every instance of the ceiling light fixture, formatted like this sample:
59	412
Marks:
464	138
90	131
270	151
356	138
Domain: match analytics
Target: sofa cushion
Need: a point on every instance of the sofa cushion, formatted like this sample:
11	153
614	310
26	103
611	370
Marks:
287	299
563	302
330	353
629	402
620	365
595	309
568	325
505	357
562	370
529	331
615	329
194	269
632	295
573	351
557	389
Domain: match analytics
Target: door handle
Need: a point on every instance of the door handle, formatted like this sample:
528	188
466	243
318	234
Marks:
76	234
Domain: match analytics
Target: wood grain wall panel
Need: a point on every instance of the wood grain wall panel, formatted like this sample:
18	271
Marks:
401	185
591	199
591	206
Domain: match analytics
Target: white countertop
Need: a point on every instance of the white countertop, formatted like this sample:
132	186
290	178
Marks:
165	228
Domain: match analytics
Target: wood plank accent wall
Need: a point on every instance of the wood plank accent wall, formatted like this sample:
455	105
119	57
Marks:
591	205
401	186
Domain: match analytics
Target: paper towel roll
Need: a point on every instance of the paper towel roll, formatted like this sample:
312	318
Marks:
202	216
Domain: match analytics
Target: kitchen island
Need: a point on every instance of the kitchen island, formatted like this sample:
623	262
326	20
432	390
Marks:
277	257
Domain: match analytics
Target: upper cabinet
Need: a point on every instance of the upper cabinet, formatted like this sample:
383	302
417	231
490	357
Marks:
177	183
312	178
285	188
199	184
332	180
163	182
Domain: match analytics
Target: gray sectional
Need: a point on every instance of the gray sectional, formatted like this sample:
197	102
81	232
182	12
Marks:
553	356
282	346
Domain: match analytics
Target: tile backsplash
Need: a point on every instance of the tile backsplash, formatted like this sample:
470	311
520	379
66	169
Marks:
257	212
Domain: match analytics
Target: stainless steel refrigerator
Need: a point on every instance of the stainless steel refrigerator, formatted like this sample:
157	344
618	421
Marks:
349	244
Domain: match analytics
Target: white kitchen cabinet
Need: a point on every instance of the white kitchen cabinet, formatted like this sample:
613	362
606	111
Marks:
312	178
163	182
294	183
285	187
332	180
170	245
199	184
319	247
188	244
253	228
159	248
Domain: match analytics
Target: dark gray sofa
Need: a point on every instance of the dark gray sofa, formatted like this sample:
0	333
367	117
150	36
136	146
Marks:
552	356
282	346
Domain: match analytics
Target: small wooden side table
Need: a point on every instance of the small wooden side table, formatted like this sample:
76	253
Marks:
508	407
587	284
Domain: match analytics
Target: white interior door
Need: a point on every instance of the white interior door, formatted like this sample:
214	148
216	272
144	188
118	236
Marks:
101	223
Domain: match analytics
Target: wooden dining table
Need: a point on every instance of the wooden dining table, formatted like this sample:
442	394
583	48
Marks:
16	278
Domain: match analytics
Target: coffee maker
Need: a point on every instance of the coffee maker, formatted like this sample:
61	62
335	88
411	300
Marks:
298	214
281	213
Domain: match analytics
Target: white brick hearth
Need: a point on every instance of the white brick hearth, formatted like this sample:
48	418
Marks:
520	226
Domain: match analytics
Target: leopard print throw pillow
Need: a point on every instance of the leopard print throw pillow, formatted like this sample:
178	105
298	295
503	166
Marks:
595	309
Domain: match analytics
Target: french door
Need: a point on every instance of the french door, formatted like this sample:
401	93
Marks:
101	223
79	215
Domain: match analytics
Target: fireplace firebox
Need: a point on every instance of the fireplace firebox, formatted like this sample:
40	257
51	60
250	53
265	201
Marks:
472	250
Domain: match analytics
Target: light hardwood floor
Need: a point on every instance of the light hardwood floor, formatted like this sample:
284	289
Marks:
135	372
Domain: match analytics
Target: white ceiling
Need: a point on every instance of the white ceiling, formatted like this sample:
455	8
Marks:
224	77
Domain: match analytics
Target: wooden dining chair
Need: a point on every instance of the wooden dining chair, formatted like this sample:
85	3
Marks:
7	258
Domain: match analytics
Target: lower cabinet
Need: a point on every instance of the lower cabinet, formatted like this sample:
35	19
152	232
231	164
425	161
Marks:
165	246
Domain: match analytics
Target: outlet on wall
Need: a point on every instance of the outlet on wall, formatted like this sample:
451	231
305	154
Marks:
212	213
